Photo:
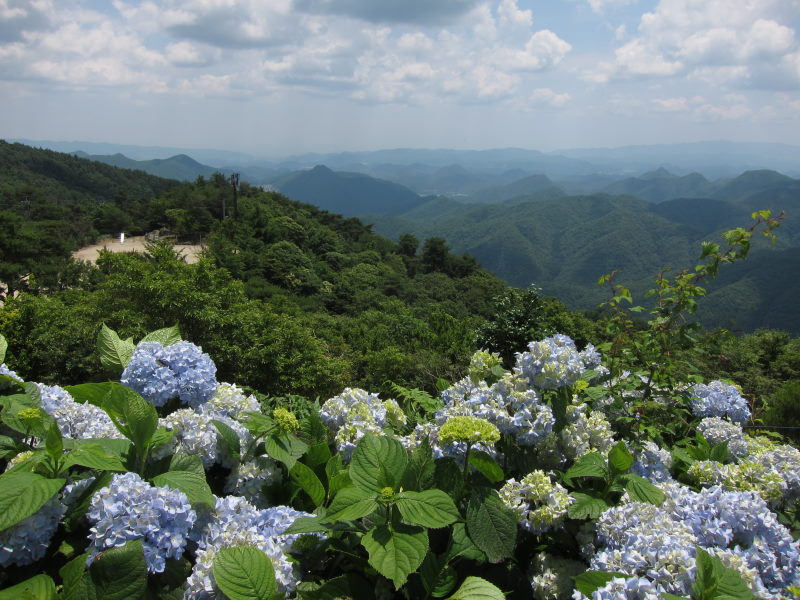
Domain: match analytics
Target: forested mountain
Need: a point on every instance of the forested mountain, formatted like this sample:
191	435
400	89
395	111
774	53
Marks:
289	298
180	166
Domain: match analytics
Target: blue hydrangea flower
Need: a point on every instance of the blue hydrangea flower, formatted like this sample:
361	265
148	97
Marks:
130	509
718	399
26	542
161	373
554	362
76	420
652	463
717	431
4	370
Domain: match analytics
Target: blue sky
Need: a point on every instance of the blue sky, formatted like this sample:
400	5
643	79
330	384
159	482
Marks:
277	77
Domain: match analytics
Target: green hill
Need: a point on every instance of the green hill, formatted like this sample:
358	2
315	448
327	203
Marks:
180	167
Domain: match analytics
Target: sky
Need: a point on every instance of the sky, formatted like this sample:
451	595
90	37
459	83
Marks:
279	77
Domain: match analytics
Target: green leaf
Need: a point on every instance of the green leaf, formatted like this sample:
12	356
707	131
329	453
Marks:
477	588
135	418
3	348
350	585
244	573
491	525
165	337
559	404
719	452
586	506
120	573
94	456
589	465
641	490
462	545
114	353
74	585
230	439
449	477
339	482
192	484
350	504
308	481
589	581
53	442
285	448
716	581
431	508
38	587
92	393
396	553
378	462
22	494
10	386
307	525
619	458
487	466
8	447
421	467
318	454
438	578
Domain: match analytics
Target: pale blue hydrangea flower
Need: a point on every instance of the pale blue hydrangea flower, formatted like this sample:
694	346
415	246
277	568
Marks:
161	373
652	463
784	460
718	399
194	434
585	433
539	504
718	431
26	542
353	406
249	478
236	522
4	370
620	588
554	362
552	576
76	420
229	401
130	509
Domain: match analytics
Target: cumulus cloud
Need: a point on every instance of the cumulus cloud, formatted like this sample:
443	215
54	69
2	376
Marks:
746	45
19	16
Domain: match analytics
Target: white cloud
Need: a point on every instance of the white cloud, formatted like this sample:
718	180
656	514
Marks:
746	44
547	97
600	6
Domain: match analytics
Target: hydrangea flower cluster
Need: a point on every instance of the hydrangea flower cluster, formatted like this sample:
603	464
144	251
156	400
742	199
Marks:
718	431
620	588
249	478
482	363
652	463
718	399
470	430
230	401
745	476
194	433
555	362
356	412
129	509
551	576
659	542
75	420
4	370
540	504
160	373
586	433
235	522
27	541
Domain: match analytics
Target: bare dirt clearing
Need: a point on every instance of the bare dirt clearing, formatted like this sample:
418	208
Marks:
132	244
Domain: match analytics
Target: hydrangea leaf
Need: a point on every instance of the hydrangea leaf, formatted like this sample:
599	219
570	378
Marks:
491	525
431	508
305	477
285	448
38	587
477	588
486	465
193	485
350	585
114	353
120	573
165	337
449	477
641	490
135	418
421	468
93	393
586	506
350	504
396	553
230	439
589	581
318	454
22	493
377	463
619	458
715	580
589	465
438	578
462	545
3	348
307	525
244	573
94	456
75	586
187	462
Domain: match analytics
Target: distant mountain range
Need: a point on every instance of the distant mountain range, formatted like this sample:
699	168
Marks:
180	167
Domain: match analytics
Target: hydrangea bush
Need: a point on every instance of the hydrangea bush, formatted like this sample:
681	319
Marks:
535	481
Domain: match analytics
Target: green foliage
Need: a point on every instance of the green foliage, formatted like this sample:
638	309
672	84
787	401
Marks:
244	573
